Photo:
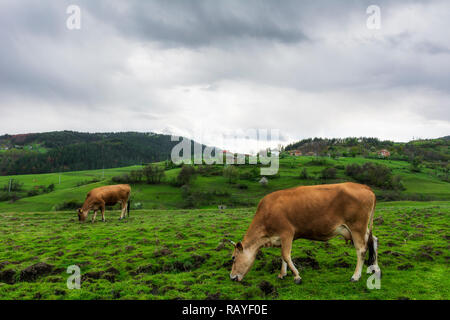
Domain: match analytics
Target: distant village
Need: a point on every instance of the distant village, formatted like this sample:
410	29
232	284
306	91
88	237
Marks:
16	147
383	153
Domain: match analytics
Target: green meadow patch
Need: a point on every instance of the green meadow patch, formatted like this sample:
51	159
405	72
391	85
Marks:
183	254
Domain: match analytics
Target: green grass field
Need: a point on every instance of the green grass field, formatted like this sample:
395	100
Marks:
167	252
180	254
75	185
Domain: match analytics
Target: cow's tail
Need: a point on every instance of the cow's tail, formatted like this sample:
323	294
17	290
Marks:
372	250
371	242
128	207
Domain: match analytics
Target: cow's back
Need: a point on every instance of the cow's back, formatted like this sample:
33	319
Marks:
313	212
111	194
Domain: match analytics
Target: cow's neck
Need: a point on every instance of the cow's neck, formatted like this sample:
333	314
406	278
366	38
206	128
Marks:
87	205
255	238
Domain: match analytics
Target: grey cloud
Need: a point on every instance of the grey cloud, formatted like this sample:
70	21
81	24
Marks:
196	23
220	53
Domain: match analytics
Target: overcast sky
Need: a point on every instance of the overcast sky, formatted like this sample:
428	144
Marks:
307	68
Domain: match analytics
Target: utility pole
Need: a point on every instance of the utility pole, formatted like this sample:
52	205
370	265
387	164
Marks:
60	178
10	182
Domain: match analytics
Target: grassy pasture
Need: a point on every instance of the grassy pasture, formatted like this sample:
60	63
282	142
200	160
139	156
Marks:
179	254
75	185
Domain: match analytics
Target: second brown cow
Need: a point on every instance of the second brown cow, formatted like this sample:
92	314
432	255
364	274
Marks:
97	199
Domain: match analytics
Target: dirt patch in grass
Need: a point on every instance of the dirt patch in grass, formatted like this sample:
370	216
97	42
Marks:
180	236
36	271
213	296
341	264
406	266
378	220
393	253
307	262
162	252
423	256
3	264
109	275
59	292
221	246
267	288
8	276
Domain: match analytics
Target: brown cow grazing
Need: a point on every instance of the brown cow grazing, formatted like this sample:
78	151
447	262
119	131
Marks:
310	212
99	198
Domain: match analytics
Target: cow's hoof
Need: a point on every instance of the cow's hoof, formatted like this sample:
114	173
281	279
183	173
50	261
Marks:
281	276
298	281
354	280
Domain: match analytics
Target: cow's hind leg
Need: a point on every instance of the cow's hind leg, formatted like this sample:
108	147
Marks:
360	242
124	207
102	209
286	246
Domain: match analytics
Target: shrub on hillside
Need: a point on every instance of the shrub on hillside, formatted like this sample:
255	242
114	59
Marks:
304	174
318	162
9	196
37	190
123	178
374	174
12	186
209	170
68	205
328	173
85	182
153	174
185	176
231	173
251	175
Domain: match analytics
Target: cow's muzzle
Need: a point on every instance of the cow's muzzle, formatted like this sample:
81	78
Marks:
235	277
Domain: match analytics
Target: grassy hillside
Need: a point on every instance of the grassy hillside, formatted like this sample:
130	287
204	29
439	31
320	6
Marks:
180	254
210	190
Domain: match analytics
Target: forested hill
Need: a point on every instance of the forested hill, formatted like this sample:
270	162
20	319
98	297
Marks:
71	151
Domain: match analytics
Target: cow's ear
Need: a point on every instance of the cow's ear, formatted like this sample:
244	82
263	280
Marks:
239	246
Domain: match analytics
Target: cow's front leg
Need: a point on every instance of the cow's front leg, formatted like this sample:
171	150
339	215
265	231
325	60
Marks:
283	271
95	215
286	246
103	216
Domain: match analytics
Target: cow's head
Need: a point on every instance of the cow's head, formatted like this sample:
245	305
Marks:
243	259
82	215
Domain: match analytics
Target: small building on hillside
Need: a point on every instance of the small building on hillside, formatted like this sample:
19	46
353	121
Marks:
311	154
384	153
296	153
